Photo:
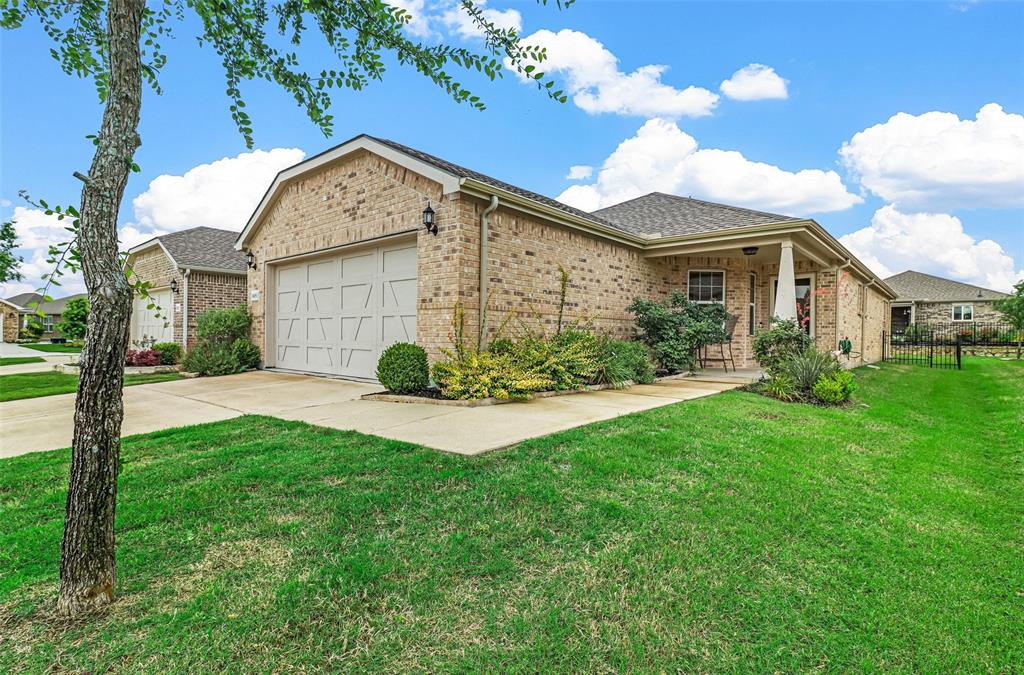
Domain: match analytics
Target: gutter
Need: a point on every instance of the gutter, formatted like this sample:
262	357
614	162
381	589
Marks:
184	309
485	230
863	310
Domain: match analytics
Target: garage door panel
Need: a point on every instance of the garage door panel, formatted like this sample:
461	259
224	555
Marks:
156	322
337	315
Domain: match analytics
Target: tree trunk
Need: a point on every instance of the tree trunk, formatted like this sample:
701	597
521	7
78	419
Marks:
87	550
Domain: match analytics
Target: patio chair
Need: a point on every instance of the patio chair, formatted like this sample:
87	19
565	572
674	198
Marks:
724	348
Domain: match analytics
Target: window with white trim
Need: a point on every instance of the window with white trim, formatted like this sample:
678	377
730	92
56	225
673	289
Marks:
48	323
706	286
963	312
752	305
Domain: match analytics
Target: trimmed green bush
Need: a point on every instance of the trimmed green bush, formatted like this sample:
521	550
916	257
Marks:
207	358
170	352
784	339
402	368
245	354
835	388
223	326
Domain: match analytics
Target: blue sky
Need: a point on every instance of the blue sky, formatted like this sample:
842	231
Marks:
938	189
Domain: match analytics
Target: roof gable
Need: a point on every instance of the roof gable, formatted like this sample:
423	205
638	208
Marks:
23	300
911	285
205	247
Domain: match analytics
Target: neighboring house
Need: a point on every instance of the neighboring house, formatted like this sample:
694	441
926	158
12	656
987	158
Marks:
10	315
344	265
927	299
29	305
191	271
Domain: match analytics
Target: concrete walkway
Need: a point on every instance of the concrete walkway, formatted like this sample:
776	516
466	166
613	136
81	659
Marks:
46	423
9	349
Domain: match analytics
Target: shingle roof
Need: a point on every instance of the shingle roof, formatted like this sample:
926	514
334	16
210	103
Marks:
205	247
461	171
24	299
665	215
911	285
57	306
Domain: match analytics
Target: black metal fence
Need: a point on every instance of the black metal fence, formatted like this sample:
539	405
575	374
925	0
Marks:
942	345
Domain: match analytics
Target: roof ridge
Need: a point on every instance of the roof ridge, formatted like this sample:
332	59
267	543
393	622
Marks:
721	205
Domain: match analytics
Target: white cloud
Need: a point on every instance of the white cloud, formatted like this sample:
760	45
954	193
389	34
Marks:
460	22
663	158
934	243
579	172
593	79
419	24
938	161
219	194
754	83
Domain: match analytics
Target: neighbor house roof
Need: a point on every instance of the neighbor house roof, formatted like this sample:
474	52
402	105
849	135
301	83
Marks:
205	248
23	300
911	285
57	306
659	214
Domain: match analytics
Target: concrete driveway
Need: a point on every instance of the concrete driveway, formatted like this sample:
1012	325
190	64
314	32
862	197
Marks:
46	423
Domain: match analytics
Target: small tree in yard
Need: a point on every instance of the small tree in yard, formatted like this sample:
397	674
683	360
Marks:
10	264
117	44
74	319
1013	309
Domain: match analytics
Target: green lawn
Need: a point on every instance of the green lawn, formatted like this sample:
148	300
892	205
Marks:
731	533
50	347
34	385
18	360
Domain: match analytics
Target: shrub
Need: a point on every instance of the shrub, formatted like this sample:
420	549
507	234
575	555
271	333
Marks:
807	368
835	388
780	387
223	326
784	339
74	319
675	330
469	374
206	358
170	352
623	361
33	329
142	357
245	354
402	368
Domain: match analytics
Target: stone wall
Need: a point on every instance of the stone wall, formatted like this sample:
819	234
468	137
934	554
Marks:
11	322
942	312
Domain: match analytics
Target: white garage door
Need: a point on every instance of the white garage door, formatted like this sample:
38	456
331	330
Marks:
336	315
146	324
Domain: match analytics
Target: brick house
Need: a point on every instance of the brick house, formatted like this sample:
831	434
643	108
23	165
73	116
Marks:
191	271
928	299
343	264
29	305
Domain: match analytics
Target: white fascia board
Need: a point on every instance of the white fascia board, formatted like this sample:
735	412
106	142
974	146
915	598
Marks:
449	181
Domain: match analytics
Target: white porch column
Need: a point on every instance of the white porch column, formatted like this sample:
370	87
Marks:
785	295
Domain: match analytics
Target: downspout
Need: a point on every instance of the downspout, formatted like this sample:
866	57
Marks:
184	309
485	230
863	312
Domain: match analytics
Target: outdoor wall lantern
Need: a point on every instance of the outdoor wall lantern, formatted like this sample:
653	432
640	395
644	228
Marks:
250	260
174	285
749	250
428	220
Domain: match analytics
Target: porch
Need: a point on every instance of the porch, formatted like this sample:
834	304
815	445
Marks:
795	273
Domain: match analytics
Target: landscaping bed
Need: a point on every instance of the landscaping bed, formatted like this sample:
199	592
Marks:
435	397
73	369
